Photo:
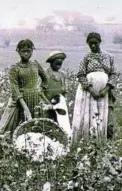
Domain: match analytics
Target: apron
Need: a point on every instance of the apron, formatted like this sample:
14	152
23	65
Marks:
90	116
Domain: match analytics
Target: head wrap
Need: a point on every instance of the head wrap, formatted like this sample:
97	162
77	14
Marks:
56	55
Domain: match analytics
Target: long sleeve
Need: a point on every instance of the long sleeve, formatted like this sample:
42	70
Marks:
82	72
14	84
43	76
112	81
112	75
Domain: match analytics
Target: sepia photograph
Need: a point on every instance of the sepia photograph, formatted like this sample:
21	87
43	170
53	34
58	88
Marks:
60	95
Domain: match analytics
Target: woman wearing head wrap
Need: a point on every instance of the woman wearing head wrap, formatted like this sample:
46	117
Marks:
94	100
57	89
57	78
25	94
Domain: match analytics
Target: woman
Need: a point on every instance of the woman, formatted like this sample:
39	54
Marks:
57	89
25	94
56	77
94	98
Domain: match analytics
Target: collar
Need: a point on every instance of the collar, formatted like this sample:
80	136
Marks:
24	65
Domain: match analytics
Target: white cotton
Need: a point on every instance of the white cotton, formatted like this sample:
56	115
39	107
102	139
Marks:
63	120
2	104
71	103
29	173
98	80
70	184
40	146
46	186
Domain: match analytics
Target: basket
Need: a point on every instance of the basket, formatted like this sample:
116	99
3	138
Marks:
44	126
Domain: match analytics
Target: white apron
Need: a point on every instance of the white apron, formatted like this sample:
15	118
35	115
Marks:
63	120
90	116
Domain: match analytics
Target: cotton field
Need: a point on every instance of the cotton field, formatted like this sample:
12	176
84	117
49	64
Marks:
51	166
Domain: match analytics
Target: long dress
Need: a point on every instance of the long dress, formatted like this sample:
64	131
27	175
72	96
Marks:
91	116
24	84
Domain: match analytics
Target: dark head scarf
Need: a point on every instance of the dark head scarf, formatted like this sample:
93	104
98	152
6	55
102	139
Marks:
95	36
25	44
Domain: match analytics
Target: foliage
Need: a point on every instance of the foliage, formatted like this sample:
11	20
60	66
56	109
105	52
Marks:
91	165
117	39
7	42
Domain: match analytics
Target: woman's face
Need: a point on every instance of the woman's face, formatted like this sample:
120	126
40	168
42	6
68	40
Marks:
94	45
56	64
25	54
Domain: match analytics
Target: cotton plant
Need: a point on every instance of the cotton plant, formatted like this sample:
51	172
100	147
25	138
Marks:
90	166
4	89
82	168
5	187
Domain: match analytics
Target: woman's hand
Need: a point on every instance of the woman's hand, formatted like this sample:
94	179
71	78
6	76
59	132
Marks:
46	107
45	99
104	91
27	114
93	92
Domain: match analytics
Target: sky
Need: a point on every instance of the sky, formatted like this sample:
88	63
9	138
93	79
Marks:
25	12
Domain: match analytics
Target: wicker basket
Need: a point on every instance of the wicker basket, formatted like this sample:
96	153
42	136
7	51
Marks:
44	126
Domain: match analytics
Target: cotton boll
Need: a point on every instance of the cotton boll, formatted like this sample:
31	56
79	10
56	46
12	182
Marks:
2	105
29	173
78	150
120	159
71	103
79	166
46	186
107	179
70	185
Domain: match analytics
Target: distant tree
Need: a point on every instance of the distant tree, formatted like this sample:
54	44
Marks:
118	39
7	42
